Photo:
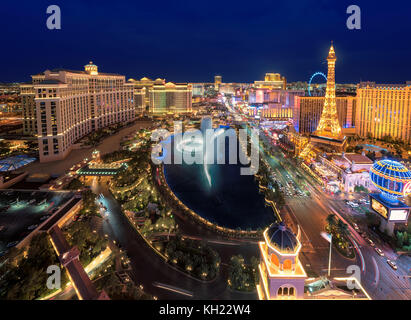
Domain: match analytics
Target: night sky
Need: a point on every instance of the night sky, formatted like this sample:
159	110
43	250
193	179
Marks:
191	41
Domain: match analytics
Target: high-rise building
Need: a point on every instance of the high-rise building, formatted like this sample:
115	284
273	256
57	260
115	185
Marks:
170	98
142	89
27	95
272	81
217	82
384	110
307	113
276	104
70	104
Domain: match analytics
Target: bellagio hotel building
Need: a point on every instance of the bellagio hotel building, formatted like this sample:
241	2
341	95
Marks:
61	106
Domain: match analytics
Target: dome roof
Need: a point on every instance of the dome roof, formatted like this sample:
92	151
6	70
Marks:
282	237
390	176
90	64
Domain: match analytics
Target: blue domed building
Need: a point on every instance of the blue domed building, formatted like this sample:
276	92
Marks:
390	177
393	179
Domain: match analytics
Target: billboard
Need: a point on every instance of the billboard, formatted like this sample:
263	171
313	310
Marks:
379	208
393	212
398	215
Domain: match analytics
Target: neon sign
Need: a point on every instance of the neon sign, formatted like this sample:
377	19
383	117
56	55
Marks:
407	189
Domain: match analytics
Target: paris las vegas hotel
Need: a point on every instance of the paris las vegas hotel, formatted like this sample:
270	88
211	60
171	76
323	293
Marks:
61	106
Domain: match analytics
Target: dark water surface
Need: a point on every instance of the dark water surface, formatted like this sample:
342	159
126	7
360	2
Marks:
232	200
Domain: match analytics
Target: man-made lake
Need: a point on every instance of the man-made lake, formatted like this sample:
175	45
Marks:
220	194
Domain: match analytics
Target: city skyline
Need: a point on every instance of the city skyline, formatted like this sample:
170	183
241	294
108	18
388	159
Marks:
136	41
205	151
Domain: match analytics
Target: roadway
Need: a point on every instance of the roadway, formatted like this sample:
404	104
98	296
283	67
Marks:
150	270
378	278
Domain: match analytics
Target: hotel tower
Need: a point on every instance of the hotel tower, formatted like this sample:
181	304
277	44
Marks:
61	106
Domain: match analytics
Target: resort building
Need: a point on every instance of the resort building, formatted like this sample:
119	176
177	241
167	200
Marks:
344	171
142	89
70	104
27	95
170	98
273	104
384	110
307	113
272	81
217	82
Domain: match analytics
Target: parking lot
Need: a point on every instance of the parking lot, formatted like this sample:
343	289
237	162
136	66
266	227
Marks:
21	212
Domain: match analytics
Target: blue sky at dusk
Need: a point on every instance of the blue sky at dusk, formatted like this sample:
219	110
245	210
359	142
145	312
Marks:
191	41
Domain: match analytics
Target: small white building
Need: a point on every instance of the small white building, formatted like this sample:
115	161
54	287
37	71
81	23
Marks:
352	169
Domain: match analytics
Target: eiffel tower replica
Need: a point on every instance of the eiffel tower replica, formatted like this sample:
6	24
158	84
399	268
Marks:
328	137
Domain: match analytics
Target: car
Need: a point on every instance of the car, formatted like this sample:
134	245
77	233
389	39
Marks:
32	227
12	244
356	227
380	252
44	217
372	244
392	264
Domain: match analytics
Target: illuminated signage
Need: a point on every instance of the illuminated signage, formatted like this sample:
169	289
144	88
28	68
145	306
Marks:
407	189
398	215
379	208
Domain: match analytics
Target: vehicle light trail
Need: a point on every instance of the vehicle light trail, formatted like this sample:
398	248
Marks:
359	253
173	289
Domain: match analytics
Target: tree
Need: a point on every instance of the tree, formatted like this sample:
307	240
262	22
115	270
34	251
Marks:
400	239
75	184
4	147
342	228
254	265
238	277
405	238
331	221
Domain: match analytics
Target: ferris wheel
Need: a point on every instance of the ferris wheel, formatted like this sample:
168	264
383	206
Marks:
311	79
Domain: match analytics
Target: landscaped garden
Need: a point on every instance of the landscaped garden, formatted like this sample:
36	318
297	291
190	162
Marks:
89	242
24	276
242	276
193	256
339	231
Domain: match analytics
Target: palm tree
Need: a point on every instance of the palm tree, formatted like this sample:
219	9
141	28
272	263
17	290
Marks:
342	227
331	221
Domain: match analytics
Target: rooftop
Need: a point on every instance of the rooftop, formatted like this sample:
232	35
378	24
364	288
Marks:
15	162
282	237
358	158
